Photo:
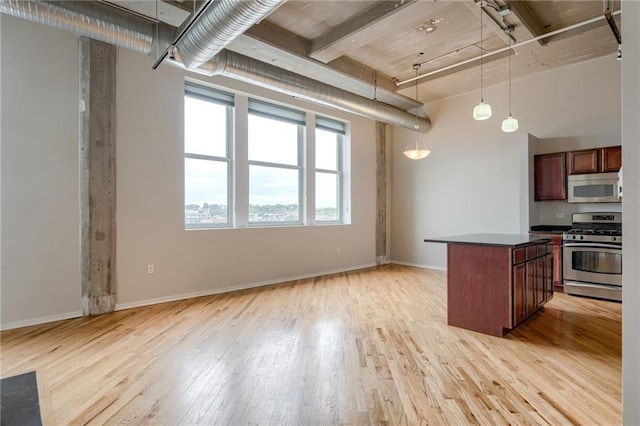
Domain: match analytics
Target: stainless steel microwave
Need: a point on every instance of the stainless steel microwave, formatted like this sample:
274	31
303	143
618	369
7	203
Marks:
593	188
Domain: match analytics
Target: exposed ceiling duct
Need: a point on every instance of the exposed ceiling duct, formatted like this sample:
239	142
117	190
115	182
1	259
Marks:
217	24
114	26
243	68
93	20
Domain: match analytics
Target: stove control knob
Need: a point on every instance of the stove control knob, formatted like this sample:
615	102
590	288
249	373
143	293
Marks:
613	238
581	237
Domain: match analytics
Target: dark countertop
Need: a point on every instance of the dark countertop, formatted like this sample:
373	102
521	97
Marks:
550	229
505	240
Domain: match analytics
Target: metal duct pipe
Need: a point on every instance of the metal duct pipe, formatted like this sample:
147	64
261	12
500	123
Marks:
219	24
243	68
99	22
87	19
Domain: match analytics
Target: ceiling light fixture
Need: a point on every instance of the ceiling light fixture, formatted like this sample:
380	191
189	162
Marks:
510	124
415	152
482	111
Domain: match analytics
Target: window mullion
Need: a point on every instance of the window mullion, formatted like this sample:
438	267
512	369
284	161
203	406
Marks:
241	156
274	165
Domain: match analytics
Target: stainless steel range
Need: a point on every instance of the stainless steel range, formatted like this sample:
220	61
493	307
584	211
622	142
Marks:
592	255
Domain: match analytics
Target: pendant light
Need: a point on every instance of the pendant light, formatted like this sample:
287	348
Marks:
482	111
416	153
510	124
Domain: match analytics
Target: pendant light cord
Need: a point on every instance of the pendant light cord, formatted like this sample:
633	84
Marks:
509	76
481	54
417	126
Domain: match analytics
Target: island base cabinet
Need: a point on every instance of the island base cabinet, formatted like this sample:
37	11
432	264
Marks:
532	280
492	289
478	289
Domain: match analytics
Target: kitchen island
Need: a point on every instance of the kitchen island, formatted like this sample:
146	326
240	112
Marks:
496	281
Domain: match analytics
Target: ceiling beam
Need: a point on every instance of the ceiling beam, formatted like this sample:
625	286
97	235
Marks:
495	26
270	43
529	20
382	18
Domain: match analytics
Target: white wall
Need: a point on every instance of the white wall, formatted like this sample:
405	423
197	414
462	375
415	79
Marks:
150	203
475	177
40	213
40	207
631	213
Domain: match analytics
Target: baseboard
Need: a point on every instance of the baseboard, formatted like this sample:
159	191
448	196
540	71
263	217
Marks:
419	265
40	320
173	298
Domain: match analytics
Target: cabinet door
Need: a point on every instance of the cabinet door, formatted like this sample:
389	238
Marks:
585	161
548	277
531	287
557	264
550	176
541	269
611	159
519	286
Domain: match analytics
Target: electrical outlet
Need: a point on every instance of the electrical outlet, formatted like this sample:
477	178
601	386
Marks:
151	269
560	215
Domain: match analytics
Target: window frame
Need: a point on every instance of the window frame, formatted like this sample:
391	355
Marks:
238	112
219	98
339	172
272	111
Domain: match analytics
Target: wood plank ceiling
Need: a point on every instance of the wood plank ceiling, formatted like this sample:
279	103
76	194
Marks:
378	42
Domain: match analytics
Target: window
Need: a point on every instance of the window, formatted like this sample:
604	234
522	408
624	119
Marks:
275	171
207	138
328	173
262	173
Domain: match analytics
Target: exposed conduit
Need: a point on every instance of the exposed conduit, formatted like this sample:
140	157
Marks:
110	25
513	46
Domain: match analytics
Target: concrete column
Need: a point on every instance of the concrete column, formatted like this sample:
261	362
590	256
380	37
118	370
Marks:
381	193
98	175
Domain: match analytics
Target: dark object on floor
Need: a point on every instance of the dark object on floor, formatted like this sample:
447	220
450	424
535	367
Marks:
19	403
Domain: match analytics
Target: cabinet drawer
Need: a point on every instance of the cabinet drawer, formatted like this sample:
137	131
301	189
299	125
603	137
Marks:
532	252
518	256
542	249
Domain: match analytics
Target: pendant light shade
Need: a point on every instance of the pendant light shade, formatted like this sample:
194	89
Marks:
482	111
415	152
509	124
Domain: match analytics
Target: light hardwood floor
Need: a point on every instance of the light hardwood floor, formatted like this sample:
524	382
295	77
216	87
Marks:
365	347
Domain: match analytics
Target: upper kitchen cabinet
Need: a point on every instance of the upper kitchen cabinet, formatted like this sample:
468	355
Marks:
585	161
550	176
598	160
611	159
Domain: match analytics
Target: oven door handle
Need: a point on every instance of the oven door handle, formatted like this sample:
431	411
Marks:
594	245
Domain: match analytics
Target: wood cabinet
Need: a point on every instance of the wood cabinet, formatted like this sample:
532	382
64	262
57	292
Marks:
611	159
584	161
597	160
550	176
556	270
532	280
496	281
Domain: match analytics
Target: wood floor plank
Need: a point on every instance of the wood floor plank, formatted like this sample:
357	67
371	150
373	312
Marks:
364	347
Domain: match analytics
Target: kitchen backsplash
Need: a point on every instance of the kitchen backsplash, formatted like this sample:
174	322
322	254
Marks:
559	212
